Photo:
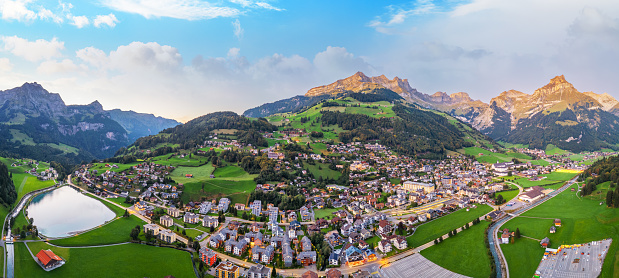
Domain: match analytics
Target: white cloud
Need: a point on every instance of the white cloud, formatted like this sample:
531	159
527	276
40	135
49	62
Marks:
234	52
397	15
47	14
53	67
33	50
252	4
5	65
109	20
146	56
93	56
24	11
79	21
267	6
17	10
238	30
337	62
180	9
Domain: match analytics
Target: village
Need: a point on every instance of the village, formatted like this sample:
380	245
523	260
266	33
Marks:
373	217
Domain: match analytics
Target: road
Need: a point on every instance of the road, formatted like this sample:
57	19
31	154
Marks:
493	239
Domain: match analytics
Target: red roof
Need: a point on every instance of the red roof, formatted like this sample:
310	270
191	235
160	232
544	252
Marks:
46	256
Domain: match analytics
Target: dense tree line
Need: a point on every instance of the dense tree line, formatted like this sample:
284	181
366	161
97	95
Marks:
292	200
415	132
197	131
603	170
8	195
375	95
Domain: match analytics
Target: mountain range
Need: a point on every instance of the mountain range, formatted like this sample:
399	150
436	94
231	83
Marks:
38	124
555	114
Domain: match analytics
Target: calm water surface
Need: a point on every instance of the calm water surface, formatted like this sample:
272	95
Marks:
64	211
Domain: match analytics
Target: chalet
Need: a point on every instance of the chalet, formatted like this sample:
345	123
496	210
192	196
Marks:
399	242
307	258
48	260
309	274
334	258
259	271
384	246
333	273
553	229
545	242
263	254
558	222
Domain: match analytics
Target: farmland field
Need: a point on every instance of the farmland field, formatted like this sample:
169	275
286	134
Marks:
583	220
432	230
464	253
113	261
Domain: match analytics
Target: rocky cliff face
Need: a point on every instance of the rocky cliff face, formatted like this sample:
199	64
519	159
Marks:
140	124
34	121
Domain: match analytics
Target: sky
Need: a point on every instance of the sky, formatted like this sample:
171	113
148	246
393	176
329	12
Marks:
185	58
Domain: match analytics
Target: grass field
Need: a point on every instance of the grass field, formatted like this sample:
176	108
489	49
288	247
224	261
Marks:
322	170
121	167
172	160
553	180
553	150
432	230
583	220
508	195
120	201
128	260
325	213
115	232
465	253
492	157
540	162
230	181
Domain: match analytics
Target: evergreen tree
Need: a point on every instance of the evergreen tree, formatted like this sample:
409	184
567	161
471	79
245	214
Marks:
8	195
609	199
517	234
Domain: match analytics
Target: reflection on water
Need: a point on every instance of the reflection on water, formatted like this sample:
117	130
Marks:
65	211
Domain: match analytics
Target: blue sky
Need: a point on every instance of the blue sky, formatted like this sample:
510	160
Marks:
186	58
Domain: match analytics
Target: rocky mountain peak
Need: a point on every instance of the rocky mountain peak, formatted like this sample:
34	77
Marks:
460	97
358	82
556	85
558	80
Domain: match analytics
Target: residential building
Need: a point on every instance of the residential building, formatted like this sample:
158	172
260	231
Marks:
166	221
307	257
256	207
48	259
259	271
333	273
174	212
227	270
210	221
208	256
167	236
384	246
191	218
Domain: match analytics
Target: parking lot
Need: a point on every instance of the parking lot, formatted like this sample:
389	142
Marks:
575	261
416	266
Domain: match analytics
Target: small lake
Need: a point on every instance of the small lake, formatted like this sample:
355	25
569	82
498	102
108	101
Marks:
64	211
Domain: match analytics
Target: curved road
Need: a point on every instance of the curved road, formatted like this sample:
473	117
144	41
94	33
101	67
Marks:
499	259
